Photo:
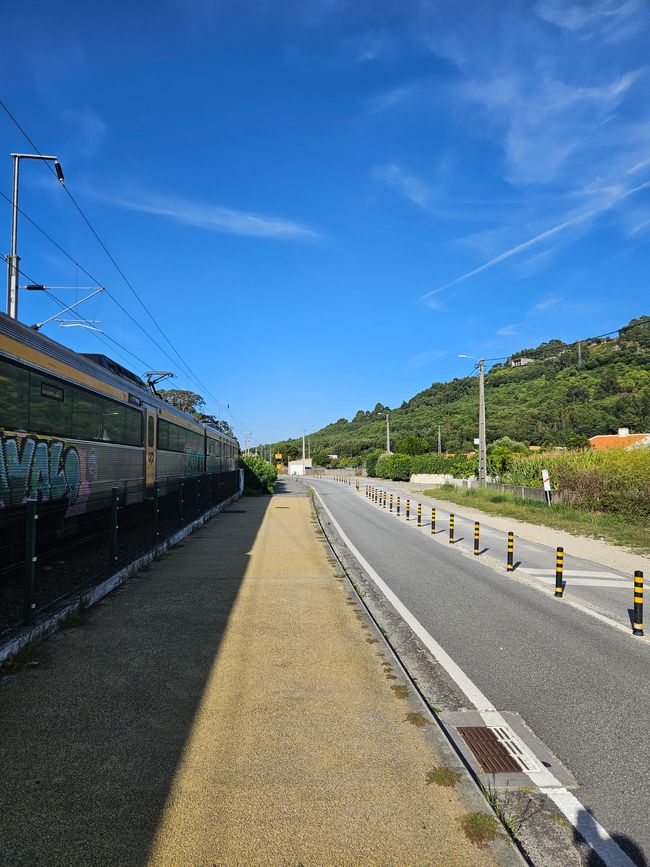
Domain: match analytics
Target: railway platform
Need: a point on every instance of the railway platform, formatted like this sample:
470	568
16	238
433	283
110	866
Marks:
232	704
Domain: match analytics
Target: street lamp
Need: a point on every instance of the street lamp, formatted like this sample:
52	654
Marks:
13	258
482	451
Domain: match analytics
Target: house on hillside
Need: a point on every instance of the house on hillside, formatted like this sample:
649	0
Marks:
621	440
521	361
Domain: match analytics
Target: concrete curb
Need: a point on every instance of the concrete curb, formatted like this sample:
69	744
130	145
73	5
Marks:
505	849
78	600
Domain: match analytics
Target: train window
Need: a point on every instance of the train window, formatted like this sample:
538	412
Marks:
133	428
151	430
86	415
112	422
47	415
51	391
14	397
163	434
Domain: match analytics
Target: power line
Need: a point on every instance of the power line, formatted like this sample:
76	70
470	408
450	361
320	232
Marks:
189	370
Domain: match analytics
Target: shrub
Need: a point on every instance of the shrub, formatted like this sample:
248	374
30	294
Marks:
395	467
411	445
259	475
371	461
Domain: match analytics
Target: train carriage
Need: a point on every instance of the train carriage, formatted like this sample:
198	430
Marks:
73	426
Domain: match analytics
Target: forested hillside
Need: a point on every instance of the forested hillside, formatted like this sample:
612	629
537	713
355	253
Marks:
566	394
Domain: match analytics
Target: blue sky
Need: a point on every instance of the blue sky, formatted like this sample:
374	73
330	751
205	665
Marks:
323	203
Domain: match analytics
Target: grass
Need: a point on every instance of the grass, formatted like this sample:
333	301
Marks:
480	828
442	776
512	808
617	529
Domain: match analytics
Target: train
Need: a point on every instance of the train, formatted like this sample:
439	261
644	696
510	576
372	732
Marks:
74	426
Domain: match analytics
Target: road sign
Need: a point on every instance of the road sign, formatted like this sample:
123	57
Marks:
278	456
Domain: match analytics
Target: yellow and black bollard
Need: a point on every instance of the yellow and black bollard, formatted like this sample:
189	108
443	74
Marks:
408	510
384	503
477	535
390	503
452	522
419	514
433	521
637	629
559	570
511	552
398	504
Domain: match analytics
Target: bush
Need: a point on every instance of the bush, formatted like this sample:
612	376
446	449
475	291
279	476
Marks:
259	475
371	461
395	467
411	445
459	467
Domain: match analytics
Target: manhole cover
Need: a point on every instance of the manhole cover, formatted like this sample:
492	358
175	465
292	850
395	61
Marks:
491	754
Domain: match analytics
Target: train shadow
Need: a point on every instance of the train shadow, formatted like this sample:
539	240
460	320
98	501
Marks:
92	736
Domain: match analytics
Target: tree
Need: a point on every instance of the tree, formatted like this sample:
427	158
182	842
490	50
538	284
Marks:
187	401
411	445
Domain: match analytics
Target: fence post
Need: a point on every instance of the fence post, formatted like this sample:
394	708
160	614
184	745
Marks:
115	505
197	498
433	521
638	603
180	501
156	511
511	552
452	522
559	569
419	514
477	532
30	561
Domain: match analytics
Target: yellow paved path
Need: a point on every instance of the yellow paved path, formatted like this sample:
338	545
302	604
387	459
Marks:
300	751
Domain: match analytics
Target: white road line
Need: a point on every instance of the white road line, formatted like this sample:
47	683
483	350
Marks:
591	830
581	582
572	573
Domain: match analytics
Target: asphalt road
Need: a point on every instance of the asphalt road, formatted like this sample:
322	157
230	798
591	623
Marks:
581	686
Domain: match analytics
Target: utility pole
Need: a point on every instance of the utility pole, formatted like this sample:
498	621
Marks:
309	447
388	433
303	448
482	450
439	442
13	258
579	353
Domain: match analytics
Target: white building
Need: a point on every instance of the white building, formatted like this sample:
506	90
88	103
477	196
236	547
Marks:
298	467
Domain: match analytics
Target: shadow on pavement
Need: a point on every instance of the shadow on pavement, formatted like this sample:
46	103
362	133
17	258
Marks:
627	844
91	736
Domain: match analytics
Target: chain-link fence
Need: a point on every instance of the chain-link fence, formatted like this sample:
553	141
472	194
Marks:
46	553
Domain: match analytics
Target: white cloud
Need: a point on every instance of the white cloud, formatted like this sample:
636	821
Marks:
546	304
609	20
216	218
424	358
408	185
87	131
508	330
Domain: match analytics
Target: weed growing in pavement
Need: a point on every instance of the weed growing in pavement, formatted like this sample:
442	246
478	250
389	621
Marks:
72	620
442	776
480	828
24	660
512	808
401	690
371	640
416	719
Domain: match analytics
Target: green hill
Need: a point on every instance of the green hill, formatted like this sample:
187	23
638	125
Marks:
558	398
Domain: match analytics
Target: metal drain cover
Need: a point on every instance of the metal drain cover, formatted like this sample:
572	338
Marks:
491	754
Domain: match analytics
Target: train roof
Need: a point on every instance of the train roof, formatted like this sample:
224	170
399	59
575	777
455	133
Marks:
101	367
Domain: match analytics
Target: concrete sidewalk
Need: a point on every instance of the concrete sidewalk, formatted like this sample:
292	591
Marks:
231	705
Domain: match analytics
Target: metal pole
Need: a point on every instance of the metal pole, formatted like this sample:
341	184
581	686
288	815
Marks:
387	433
482	453
637	627
439	441
13	259
30	560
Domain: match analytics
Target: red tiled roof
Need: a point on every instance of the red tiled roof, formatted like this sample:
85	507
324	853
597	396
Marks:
614	441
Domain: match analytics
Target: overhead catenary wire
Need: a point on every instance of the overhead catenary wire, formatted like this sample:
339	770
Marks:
188	370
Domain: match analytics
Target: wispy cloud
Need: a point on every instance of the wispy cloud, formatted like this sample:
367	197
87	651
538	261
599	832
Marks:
610	20
507	330
546	304
610	198
424	358
405	183
216	218
87	131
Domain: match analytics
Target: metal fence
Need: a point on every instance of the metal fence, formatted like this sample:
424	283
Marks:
46	553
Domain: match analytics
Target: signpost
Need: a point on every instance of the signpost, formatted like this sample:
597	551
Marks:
547	486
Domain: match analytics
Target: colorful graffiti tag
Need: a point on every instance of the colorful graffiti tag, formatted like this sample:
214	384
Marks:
33	468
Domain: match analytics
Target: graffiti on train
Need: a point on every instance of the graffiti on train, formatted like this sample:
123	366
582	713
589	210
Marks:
32	468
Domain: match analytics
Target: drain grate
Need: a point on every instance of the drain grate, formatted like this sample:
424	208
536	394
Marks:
492	755
516	749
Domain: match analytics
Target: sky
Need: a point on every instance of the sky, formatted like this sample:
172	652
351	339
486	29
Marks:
322	204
